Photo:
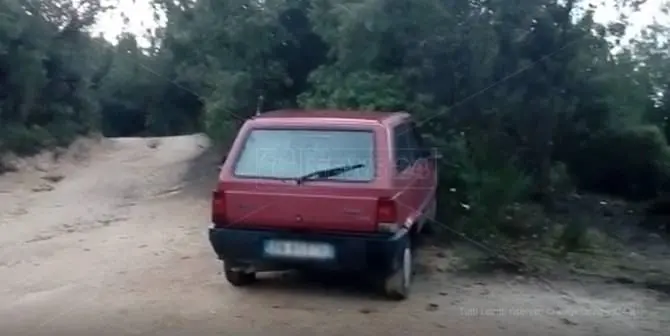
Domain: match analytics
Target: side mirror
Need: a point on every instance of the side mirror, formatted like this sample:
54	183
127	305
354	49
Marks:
435	154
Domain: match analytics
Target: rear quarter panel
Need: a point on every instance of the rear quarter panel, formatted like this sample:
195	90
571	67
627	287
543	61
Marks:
414	187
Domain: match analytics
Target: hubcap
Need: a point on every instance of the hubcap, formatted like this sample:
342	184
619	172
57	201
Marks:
407	267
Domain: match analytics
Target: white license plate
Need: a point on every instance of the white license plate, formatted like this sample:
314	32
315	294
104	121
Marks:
297	249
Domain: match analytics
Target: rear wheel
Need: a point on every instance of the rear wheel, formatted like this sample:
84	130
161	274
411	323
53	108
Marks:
397	285
237	277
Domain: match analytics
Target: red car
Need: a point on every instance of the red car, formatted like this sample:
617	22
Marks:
327	190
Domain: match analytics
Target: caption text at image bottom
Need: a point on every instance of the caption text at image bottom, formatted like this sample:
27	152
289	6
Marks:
475	311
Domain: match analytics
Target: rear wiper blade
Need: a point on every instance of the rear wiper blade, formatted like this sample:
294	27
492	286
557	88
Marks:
326	173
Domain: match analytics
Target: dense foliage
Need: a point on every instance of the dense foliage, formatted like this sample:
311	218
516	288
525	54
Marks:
515	93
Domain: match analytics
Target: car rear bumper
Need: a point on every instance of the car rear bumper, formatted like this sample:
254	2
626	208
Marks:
369	253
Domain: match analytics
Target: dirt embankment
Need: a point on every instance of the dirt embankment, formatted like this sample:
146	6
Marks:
112	242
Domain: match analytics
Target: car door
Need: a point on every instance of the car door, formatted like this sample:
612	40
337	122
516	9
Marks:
406	180
424	169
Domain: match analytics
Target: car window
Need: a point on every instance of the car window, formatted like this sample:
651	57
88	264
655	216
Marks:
402	147
418	146
290	153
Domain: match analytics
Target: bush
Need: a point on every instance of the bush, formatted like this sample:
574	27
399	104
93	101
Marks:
573	236
632	162
23	141
226	108
64	132
561	181
358	90
477	184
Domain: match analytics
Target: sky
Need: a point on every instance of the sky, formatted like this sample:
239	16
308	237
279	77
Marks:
140	15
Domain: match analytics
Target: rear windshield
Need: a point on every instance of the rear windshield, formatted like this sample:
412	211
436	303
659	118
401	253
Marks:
290	153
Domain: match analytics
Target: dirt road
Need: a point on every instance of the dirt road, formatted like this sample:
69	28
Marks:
112	241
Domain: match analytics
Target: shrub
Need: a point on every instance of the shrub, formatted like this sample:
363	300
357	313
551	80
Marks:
572	236
561	181
632	162
476	183
23	141
63	132
358	90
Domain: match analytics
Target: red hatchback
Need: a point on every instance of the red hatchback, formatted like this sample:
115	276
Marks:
331	190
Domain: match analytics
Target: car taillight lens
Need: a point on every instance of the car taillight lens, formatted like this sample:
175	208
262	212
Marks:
218	208
387	215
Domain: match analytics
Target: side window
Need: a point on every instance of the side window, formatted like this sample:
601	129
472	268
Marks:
403	147
419	147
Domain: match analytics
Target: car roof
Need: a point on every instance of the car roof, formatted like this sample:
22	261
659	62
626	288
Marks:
331	116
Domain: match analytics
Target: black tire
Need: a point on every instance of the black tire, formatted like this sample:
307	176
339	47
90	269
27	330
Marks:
238	278
397	285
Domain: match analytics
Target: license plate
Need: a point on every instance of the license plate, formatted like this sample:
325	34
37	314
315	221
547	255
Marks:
297	249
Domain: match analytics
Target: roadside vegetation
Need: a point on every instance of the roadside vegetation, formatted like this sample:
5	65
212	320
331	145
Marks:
553	128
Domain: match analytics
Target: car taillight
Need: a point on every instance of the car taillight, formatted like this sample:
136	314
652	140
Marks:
387	215
218	208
